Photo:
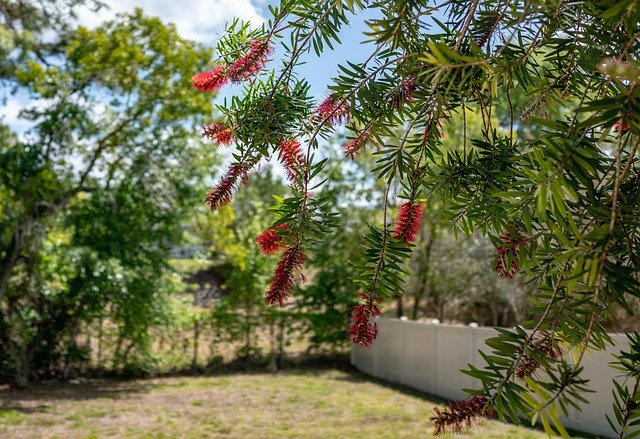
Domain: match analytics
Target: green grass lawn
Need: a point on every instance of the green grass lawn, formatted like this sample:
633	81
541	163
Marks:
307	403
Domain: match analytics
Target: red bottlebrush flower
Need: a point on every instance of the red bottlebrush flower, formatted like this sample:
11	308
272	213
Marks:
352	147
363	330
408	221
270	241
291	157
222	134
333	110
211	80
509	250
251	63
545	345
282	281
223	192
408	87
461	413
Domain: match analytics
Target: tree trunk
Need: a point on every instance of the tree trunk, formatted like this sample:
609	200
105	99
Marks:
281	343
72	346
273	364
399	306
196	338
116	353
100	341
10	259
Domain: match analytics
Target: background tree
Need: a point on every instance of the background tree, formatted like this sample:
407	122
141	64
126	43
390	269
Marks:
94	195
560	206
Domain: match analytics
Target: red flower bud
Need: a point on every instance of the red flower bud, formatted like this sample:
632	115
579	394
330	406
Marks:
408	221
461	413
270	241
352	147
223	192
363	330
291	157
282	282
251	63
222	134
333	110
211	80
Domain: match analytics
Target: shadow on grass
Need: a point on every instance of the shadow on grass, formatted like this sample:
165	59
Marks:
14	399
117	387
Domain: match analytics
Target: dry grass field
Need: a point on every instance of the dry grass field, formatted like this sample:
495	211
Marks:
306	403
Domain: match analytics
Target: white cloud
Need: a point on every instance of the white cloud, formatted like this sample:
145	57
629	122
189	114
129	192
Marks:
10	112
199	20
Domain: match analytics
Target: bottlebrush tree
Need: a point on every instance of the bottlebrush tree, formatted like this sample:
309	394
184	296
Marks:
562	206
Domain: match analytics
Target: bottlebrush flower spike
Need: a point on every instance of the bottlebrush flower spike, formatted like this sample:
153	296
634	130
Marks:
408	221
270	241
333	110
291	157
544	345
461	413
251	63
352	147
282	281
363	330
223	192
509	250
211	80
218	132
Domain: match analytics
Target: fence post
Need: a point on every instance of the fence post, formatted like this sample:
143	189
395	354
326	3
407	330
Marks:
434	360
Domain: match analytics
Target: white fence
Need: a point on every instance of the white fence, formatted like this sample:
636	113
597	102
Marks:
429	358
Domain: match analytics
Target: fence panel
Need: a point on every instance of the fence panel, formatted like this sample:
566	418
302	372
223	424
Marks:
429	358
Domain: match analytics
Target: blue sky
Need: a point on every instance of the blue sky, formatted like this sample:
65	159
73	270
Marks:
203	21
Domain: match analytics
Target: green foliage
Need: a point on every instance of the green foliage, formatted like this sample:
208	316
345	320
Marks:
323	303
626	395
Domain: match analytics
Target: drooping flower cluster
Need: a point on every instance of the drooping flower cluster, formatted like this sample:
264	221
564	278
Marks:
408	221
270	241
333	110
221	134
507	260
243	68
353	146
544	345
223	192
291	157
211	80
251	63
363	330
283	279
461	414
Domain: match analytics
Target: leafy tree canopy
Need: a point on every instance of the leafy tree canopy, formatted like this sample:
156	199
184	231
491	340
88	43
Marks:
96	193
